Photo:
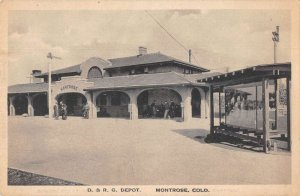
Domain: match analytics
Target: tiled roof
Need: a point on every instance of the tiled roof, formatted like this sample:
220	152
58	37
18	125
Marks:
142	80
194	77
71	69
28	88
151	58
148	59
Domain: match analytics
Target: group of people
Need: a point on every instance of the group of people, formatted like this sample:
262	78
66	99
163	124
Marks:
61	110
163	110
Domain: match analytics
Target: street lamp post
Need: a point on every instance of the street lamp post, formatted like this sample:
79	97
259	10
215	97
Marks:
50	56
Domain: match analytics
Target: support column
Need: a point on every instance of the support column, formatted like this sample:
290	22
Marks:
266	124
187	109
211	104
134	111
11	106
133	108
182	110
89	99
30	109
202	103
207	114
93	111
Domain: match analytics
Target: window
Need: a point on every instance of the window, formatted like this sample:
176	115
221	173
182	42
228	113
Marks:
94	72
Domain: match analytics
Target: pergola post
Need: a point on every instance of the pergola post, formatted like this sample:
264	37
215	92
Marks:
225	106
265	96
256	106
220	111
288	112
211	105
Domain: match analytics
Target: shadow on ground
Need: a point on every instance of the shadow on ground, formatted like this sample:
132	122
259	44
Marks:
195	134
18	177
199	135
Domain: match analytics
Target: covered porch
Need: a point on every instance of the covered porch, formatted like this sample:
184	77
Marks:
145	96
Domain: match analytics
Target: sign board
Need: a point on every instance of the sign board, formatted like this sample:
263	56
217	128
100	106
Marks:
69	86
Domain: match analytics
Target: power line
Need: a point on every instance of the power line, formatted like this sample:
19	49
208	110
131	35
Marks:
157	22
167	31
195	59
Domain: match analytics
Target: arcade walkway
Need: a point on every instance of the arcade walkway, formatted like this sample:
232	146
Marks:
118	151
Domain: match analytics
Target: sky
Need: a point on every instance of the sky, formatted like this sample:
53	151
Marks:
219	39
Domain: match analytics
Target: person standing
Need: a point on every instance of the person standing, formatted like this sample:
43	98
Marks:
63	111
167	108
153	107
56	111
172	109
86	109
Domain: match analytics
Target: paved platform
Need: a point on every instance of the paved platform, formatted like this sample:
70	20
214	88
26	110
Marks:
144	152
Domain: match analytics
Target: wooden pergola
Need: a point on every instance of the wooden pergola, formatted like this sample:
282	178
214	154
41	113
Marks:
260	73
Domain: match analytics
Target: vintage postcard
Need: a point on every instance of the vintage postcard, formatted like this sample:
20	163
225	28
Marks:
149	97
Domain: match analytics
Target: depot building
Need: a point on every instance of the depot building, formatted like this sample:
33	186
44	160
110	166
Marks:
117	88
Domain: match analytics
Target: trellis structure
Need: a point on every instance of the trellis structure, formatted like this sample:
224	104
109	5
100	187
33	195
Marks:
263	75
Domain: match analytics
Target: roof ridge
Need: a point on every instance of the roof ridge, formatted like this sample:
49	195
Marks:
135	55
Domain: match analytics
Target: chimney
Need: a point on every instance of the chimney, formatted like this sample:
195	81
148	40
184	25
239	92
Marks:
34	73
142	50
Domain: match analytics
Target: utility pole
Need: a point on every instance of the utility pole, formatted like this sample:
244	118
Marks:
190	56
275	39
50	56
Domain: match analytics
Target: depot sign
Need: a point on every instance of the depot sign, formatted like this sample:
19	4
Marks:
69	87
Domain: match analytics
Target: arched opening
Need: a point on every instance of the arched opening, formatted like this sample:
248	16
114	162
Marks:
154	103
196	103
40	105
21	104
113	104
94	72
74	102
